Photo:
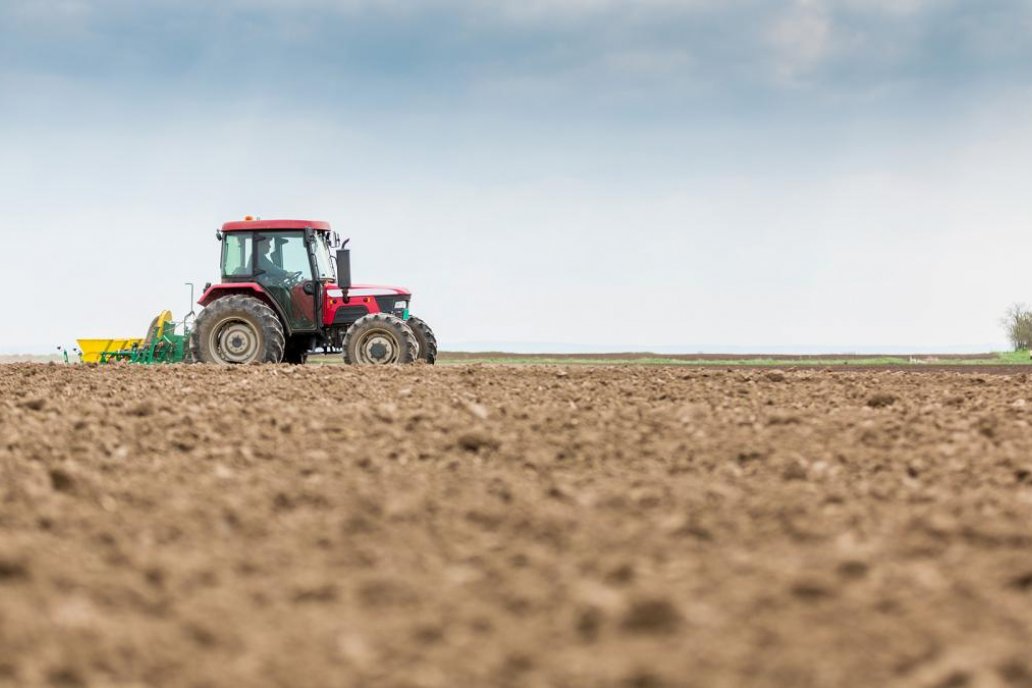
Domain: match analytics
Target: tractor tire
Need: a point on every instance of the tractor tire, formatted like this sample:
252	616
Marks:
426	339
380	339
237	329
296	351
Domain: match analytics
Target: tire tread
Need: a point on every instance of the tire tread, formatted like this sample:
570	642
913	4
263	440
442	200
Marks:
408	351
256	309
426	338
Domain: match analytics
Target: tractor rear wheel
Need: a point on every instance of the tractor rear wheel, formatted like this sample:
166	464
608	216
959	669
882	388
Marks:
425	337
237	329
380	339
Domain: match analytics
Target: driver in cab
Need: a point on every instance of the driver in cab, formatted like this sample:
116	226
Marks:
268	267
277	280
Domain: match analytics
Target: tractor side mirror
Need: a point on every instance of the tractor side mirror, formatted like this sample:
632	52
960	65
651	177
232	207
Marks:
344	268
218	234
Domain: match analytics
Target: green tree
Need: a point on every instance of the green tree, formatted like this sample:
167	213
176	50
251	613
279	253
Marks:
1018	323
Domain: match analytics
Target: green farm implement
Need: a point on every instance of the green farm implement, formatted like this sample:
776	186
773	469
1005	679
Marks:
166	341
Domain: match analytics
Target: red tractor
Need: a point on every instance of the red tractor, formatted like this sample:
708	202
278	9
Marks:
283	294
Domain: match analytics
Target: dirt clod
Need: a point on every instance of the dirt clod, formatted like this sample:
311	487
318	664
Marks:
853	569
656	616
1023	582
62	480
477	440
881	400
589	623
795	470
142	409
13	567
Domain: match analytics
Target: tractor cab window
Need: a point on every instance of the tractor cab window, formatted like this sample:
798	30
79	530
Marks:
237	254
322	257
283	269
283	256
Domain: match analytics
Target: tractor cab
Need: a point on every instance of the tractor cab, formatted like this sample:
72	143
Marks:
292	266
285	292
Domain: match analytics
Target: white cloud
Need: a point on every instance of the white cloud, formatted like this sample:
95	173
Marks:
801	38
891	7
65	18
645	62
535	11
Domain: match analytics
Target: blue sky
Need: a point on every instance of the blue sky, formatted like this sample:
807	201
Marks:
838	174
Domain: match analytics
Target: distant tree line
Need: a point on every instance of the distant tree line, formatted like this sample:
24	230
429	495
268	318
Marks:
1018	323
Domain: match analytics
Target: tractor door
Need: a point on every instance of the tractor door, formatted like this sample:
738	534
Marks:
283	268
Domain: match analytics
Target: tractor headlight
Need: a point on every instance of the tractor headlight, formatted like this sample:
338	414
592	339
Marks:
400	305
335	293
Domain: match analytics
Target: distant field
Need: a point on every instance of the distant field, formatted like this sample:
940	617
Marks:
986	359
1018	358
31	358
999	362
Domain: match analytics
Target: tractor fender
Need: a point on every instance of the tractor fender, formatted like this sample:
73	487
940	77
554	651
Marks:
217	291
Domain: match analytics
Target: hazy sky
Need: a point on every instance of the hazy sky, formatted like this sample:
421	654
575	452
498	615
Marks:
657	173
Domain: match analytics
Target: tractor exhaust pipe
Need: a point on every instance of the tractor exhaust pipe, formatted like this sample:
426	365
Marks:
344	268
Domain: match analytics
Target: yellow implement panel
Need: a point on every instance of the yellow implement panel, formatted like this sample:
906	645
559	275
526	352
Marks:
93	348
157	327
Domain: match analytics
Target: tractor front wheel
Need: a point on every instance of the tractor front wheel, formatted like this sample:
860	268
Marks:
237	329
380	339
425	337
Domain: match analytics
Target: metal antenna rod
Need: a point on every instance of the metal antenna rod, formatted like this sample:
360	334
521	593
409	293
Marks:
191	314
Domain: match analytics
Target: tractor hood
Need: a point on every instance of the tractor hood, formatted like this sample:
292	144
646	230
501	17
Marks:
377	290
388	299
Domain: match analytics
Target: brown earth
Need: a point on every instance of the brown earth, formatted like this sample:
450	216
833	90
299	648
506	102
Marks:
513	526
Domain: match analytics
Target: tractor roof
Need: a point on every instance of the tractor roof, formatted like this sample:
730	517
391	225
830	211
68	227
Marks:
248	225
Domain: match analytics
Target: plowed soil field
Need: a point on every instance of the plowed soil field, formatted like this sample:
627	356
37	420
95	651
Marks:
513	526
